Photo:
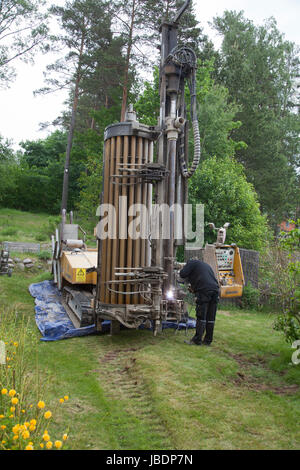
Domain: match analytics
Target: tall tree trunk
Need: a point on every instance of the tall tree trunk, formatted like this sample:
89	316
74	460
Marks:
129	47
64	199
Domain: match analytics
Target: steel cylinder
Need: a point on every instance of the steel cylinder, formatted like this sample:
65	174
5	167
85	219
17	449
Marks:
126	248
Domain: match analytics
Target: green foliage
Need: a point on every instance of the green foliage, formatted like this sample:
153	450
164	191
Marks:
22	30
90	181
289	320
6	151
47	229
221	185
44	255
147	105
10	231
250	297
260	70
216	115
40	153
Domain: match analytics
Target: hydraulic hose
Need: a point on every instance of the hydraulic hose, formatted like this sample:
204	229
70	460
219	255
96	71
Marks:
187	173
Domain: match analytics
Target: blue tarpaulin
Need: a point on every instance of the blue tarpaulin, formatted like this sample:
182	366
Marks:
52	319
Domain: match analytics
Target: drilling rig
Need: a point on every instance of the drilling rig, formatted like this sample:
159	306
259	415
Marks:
131	278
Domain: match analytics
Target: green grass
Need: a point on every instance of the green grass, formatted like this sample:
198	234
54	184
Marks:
18	226
21	226
134	391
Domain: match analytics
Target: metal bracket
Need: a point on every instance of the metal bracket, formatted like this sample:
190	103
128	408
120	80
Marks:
148	173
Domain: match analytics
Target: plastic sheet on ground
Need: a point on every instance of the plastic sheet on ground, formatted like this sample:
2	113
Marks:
53	321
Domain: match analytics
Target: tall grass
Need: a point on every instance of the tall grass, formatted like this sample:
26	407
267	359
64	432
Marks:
24	416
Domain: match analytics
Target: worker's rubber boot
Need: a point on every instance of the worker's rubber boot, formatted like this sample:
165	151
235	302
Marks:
192	343
209	333
200	328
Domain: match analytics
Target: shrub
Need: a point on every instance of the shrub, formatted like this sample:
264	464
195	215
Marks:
44	255
250	297
289	320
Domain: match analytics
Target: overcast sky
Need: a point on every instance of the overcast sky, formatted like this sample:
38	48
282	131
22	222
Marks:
21	112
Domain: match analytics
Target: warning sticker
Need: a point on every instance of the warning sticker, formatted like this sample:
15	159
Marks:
80	275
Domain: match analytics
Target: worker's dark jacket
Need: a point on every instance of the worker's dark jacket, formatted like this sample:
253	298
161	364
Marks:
200	275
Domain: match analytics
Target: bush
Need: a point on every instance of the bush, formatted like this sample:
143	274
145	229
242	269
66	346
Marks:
221	185
289	320
250	297
41	237
44	255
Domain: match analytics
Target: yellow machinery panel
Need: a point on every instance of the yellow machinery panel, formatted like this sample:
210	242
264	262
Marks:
74	265
226	263
230	271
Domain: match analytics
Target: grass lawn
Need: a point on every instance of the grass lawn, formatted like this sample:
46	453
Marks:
23	226
134	391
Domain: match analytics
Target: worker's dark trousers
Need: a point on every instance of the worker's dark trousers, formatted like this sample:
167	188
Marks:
206	309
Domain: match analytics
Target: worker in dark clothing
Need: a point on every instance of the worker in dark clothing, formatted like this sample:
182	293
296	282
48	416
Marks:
205	286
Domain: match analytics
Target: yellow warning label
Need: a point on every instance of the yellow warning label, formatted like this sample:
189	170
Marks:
80	275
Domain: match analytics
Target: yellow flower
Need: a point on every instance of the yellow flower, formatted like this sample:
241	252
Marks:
65	437
47	415
3	442
26	435
16	429
16	344
33	421
29	447
12	393
16	436
26	424
11	416
66	397
32	427
58	444
41	446
14	401
41	404
61	400
12	409
4	391
3	427
49	445
1	416
46	437
23	411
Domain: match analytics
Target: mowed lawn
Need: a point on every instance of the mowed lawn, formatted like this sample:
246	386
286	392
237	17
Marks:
136	391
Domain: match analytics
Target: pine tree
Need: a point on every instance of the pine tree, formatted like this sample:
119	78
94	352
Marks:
23	30
86	26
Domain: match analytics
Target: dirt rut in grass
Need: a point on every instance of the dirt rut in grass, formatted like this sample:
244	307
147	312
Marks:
121	381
